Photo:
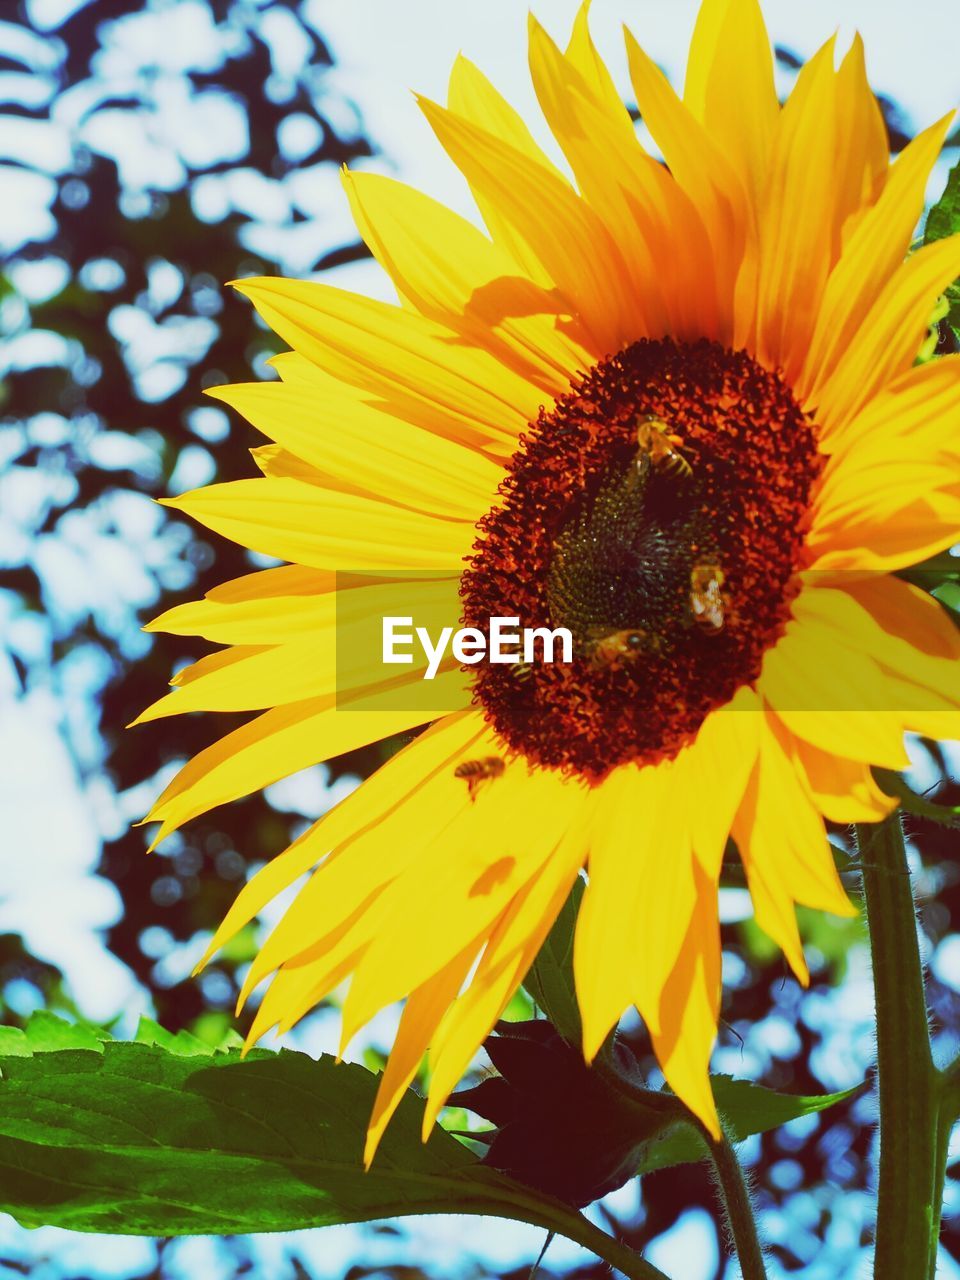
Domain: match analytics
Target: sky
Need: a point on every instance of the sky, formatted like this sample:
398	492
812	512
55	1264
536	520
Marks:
417	41
384	49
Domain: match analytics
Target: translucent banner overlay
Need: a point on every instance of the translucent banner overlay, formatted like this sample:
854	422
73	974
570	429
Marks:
858	642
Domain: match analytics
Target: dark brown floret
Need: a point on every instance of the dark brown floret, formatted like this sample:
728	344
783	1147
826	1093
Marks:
591	535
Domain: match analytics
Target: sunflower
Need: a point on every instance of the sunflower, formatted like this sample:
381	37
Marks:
674	407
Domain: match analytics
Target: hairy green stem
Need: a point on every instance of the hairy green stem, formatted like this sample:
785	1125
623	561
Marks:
944	1127
738	1209
909	1086
948	1114
573	1225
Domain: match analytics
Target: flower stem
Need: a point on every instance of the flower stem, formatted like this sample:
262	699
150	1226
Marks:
738	1209
944	1128
908	1211
948	1114
574	1226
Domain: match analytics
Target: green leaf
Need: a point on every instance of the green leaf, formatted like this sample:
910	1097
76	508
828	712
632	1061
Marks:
46	1033
894	785
746	1109
942	221
934	572
944	218
550	980
142	1138
181	1042
948	593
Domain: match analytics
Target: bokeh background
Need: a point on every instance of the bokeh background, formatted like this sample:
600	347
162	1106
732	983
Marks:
149	153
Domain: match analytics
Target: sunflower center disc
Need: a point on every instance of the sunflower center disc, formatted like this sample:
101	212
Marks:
659	512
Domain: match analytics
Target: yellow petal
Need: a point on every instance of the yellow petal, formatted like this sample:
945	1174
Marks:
917	411
249	678
911	620
701	56
716	767
874	485
642	882
363	451
918	657
871	539
604	945
297	989
272	460
398	402
345	895
795	251
701	169
421	1016
692	157
870	257
943	726
730	46
213	664
261	608
856	735
365	874
660	234
405	773
680	869
831	697
785	852
458	885
283	741
681	861
341	654
842	790
409	363
895	676
863	150
686	1025
451	272
471	1018
583	57
285	580
572	244
510	950
472	96
326	528
889	335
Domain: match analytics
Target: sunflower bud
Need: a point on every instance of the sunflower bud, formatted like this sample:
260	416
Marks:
562	1127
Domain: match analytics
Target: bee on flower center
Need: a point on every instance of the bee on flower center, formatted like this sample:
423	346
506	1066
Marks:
659	448
706	596
617	646
476	772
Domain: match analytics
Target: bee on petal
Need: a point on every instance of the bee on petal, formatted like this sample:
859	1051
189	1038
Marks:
476	772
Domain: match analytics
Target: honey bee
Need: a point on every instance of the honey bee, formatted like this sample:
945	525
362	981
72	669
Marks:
476	772
706	597
660	448
616	646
